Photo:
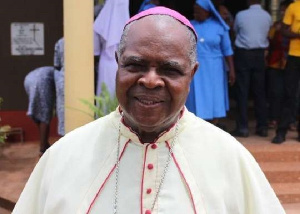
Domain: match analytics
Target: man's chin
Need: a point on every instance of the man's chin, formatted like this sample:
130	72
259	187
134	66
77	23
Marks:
151	125
147	123
149	128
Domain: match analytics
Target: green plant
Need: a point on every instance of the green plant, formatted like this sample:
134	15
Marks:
103	104
3	129
2	138
3	133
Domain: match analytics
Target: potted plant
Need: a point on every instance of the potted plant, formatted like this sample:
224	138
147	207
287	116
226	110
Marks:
3	129
102	105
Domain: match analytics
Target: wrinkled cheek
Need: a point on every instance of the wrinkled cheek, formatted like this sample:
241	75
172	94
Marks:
124	98
181	99
123	83
120	94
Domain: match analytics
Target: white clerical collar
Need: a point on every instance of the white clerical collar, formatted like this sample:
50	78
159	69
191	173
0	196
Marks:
255	6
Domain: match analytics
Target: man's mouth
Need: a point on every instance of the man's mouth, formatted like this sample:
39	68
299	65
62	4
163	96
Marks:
149	102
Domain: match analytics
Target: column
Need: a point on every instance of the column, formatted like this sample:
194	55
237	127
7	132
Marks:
79	79
274	9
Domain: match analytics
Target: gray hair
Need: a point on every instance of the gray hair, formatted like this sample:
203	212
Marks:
192	40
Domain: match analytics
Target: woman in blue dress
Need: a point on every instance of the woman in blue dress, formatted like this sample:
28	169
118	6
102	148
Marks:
59	79
39	86
208	97
147	4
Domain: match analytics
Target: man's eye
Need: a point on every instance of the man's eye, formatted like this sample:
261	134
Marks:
133	66
171	71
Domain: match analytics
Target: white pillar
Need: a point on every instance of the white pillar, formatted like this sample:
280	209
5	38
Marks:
275	9
79	71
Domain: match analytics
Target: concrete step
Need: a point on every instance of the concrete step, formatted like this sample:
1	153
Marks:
292	208
4	211
6	206
265	145
287	192
281	172
264	151
281	165
292	156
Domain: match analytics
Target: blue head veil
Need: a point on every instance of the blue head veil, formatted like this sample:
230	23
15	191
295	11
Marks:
146	5
208	6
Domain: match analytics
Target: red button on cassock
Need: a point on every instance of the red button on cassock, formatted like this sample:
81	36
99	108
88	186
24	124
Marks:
149	191
153	146
148	212
150	166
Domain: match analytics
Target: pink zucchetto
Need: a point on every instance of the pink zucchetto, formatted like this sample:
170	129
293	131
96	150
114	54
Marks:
163	11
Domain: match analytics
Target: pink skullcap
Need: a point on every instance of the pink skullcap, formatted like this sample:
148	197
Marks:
163	11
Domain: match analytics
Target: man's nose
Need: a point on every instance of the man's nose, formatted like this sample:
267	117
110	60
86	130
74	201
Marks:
151	79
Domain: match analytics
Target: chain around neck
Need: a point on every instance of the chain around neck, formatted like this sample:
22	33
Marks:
162	179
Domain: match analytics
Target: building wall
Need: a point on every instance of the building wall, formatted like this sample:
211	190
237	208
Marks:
13	69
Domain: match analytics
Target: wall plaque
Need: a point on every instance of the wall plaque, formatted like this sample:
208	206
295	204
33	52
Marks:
27	38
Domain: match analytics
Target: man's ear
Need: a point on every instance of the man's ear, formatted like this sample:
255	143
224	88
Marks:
117	57
195	68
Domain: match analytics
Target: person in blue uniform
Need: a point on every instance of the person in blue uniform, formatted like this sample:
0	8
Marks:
59	79
208	97
147	4
39	86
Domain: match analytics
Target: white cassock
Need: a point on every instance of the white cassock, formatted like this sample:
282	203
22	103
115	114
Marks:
209	173
108	28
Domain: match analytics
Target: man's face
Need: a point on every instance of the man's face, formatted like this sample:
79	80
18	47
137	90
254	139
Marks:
154	73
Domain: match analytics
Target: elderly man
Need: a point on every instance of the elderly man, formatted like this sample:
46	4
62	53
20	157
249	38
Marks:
151	155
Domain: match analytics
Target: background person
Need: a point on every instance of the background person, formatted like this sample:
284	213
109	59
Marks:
208	97
151	155
251	27
108	28
59	79
291	29
147	4
276	60
228	18
39	86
